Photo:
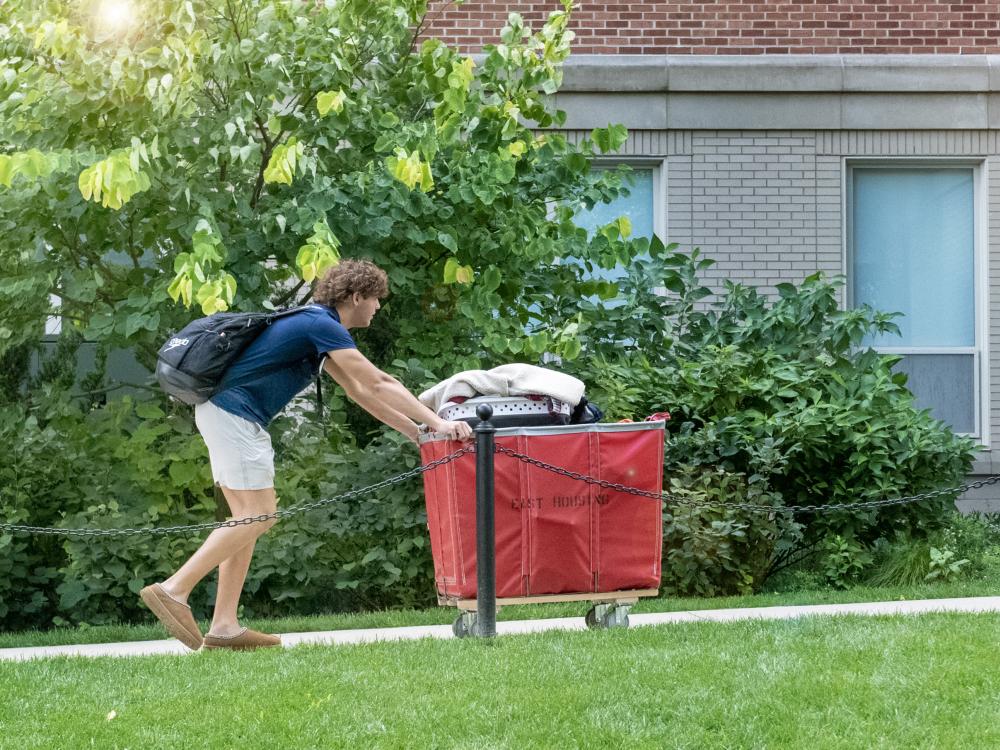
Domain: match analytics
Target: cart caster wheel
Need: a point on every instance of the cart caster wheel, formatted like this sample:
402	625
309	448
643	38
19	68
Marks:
602	616
464	625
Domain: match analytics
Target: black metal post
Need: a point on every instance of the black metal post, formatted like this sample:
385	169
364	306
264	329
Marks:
486	569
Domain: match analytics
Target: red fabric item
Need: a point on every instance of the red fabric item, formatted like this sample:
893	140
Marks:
554	535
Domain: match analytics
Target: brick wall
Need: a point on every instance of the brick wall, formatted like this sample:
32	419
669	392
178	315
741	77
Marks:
745	28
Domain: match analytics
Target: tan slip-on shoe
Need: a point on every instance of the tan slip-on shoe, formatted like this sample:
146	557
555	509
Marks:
175	616
245	640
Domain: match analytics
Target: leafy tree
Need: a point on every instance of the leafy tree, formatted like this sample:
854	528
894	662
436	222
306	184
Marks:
157	155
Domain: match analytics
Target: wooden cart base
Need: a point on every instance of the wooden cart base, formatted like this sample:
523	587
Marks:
609	611
619	597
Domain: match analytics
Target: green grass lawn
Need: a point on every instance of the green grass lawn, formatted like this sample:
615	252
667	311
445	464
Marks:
442	615
928	681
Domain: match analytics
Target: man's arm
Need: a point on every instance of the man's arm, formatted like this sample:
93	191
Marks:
384	397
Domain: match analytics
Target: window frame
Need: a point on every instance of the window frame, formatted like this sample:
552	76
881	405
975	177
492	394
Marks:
980	214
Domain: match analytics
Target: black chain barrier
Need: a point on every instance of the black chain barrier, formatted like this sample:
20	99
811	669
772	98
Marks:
659	496
795	509
284	513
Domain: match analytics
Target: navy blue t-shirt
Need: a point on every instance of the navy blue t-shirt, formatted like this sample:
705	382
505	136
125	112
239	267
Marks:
280	363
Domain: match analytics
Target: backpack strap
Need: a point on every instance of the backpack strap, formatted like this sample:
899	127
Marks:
319	375
289	311
319	395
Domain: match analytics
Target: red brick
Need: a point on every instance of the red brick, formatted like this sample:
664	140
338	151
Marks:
711	25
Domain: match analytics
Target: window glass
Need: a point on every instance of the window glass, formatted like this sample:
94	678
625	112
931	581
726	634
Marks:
638	206
913	252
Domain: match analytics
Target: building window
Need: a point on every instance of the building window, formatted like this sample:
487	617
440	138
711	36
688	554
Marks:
912	249
644	206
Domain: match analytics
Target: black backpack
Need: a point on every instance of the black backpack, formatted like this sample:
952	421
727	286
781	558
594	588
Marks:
190	365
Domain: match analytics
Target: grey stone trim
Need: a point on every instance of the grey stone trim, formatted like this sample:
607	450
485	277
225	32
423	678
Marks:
782	73
640	111
829	92
757	111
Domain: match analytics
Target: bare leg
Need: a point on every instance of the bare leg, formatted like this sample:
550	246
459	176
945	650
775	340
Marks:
226	543
232	574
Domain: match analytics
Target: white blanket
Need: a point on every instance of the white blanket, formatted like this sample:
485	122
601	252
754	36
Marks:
506	380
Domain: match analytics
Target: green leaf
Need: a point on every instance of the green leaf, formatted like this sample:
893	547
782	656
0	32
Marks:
491	279
450	271
284	161
455	273
610	138
134	322
320	252
113	181
148	410
447	241
183	472
330	100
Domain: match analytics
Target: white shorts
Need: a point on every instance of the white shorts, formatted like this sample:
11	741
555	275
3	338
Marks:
240	450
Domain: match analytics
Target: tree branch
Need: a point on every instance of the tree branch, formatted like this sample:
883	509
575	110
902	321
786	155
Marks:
285	299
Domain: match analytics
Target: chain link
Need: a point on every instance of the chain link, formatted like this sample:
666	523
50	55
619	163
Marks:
617	487
279	514
794	509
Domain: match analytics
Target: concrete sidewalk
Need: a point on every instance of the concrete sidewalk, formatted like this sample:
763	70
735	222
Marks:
142	648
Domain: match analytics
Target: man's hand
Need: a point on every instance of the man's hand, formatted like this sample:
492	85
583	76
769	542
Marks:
453	430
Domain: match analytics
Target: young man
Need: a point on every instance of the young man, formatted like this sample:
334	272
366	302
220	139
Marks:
280	363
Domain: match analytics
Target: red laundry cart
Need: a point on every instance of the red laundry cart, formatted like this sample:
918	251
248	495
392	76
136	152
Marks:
557	539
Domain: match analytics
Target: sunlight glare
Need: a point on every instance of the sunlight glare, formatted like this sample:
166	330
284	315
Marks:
115	15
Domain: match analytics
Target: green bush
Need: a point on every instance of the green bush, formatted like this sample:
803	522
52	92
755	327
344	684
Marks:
781	389
124	465
131	465
711	548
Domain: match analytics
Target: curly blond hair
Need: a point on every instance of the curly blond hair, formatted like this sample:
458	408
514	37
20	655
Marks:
350	276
